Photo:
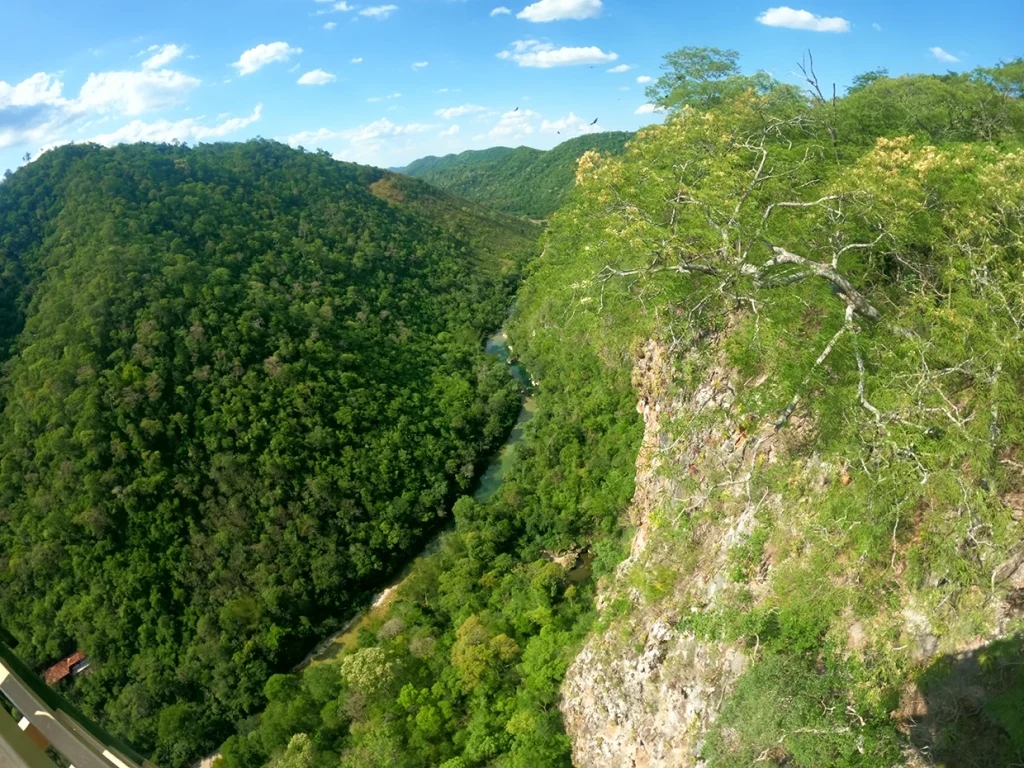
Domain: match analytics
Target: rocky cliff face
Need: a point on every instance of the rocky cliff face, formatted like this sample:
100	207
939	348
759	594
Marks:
644	690
641	692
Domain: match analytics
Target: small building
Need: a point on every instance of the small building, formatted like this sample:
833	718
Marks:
73	665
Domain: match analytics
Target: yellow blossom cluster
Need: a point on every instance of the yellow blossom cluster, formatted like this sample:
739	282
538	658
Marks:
589	161
1003	184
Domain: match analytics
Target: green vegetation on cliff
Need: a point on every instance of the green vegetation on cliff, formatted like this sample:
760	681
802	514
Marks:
851	271
865	286
241	384
464	668
522	181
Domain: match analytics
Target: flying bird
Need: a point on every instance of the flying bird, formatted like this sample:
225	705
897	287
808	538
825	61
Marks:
516	109
595	121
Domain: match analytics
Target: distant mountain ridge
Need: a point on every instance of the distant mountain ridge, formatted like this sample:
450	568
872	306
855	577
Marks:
522	181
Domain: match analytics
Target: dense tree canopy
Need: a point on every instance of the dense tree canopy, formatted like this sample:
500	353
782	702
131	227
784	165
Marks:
853	267
464	669
840	254
703	78
522	181
242	385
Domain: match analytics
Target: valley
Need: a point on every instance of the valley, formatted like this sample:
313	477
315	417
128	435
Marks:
699	445
488	484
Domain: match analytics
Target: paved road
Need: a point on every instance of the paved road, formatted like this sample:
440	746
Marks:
17	749
72	741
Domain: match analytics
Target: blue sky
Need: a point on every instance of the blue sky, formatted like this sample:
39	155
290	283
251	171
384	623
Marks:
387	81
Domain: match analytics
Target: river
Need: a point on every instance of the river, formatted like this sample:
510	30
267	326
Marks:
490	481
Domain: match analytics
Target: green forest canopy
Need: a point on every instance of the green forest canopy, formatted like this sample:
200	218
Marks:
522	181
240	384
465	669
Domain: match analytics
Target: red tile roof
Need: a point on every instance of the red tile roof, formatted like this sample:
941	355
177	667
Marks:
62	669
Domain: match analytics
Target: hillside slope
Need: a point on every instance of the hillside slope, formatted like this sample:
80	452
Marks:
827	568
242	382
769	509
522	181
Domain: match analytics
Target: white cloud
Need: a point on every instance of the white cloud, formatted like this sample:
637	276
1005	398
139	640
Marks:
42	116
364	141
876	26
40	88
385	127
182	130
536	45
452	112
942	55
784	16
450	131
620	68
420	64
342	6
648	109
357	60
39	111
266	53
31	135
382	98
132	93
531	53
644	79
558	10
379	11
330	25
317	77
514	124
312	137
570	124
164	56
501	10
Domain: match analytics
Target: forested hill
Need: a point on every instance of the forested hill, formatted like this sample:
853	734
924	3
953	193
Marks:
816	308
522	181
240	383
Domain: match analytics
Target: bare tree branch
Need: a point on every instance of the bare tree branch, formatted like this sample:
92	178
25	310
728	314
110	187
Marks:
825	271
860	389
797	204
684	269
846	328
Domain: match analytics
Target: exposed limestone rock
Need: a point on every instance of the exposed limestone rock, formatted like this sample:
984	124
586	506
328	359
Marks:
642	694
649	707
644	690
567	558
